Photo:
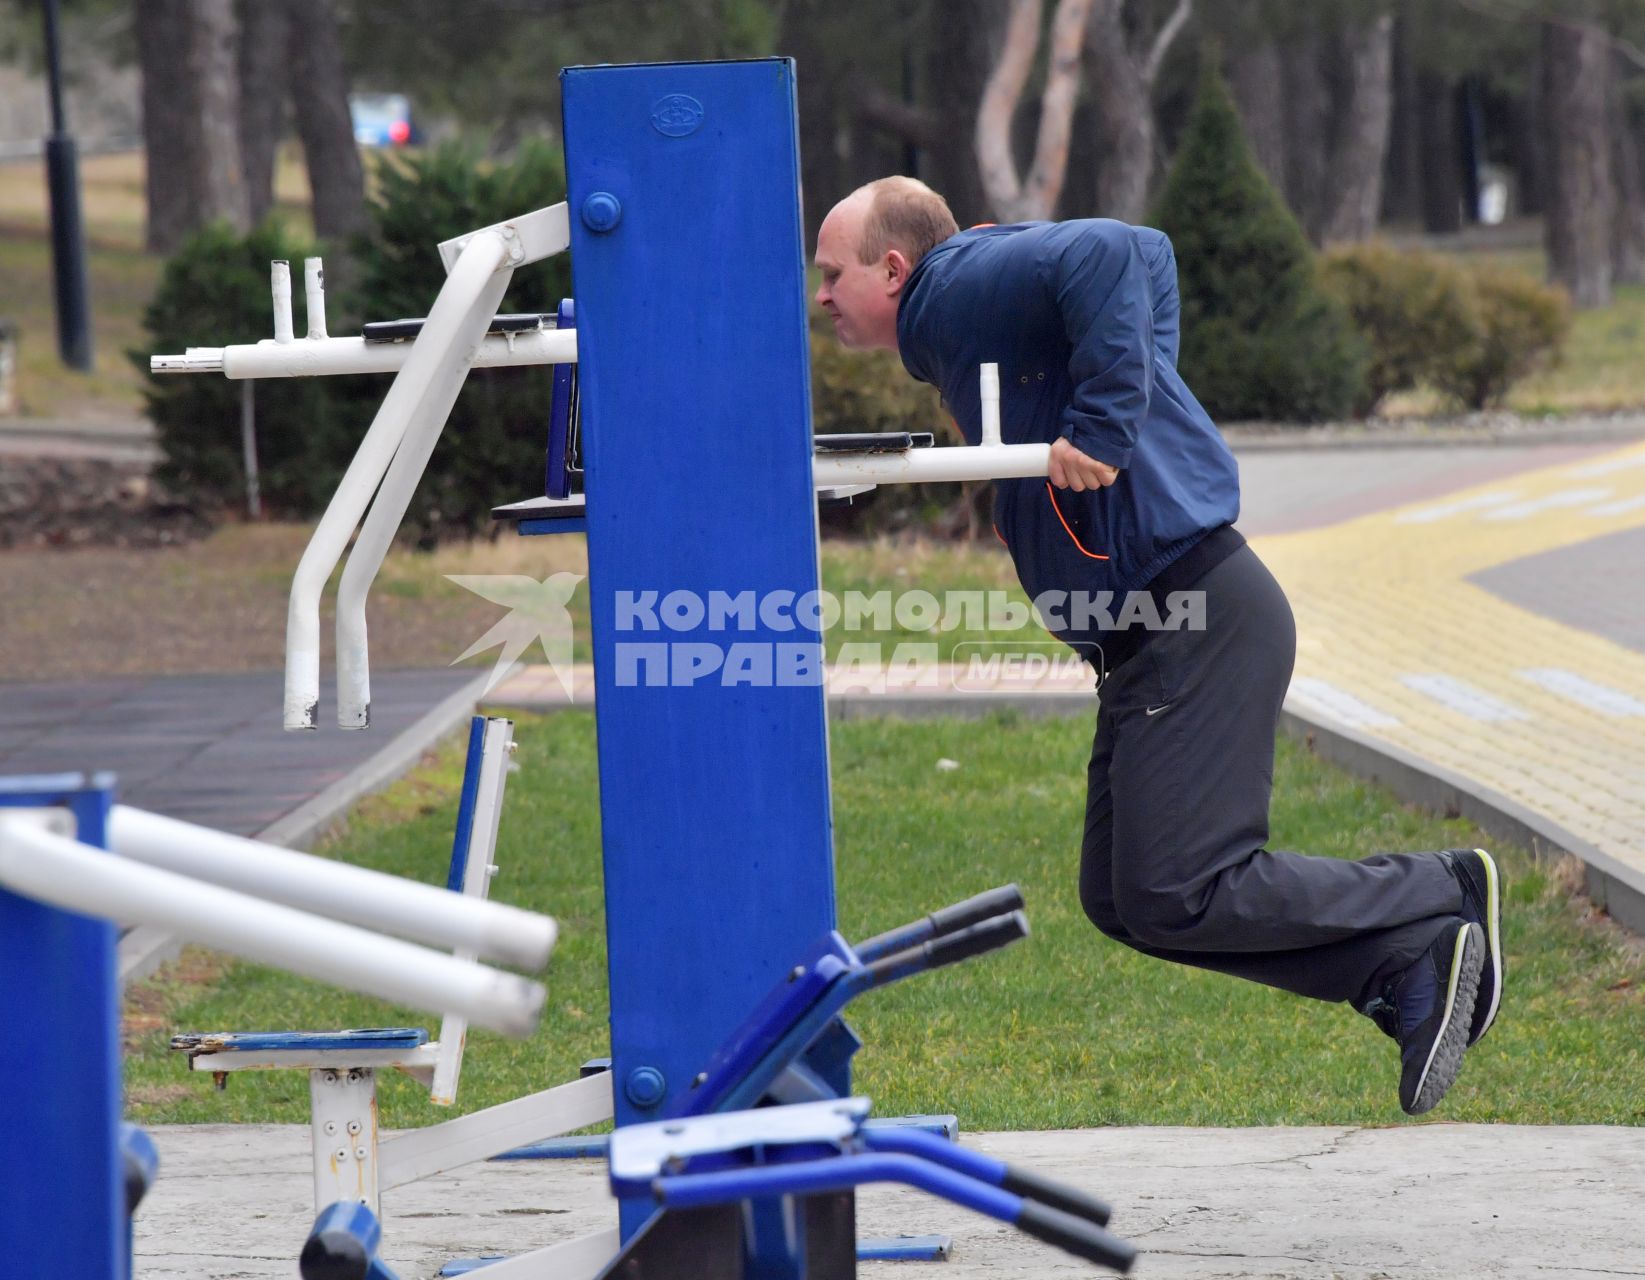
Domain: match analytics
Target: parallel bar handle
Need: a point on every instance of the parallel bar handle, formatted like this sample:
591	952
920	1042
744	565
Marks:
1056	1195
961	915
985	906
1076	1236
990	935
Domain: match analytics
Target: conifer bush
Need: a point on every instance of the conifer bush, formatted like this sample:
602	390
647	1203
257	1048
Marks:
1260	338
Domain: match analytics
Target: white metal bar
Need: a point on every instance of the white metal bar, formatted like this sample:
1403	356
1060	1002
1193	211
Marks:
280	284
930	466
314	296
422	432
495	747
440	332
533	236
343	1138
419	1060
990	404
372	899
76	877
422	1153
579	1259
321	357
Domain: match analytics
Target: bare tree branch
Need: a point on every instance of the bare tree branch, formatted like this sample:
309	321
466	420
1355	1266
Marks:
1166	38
1062	87
999	105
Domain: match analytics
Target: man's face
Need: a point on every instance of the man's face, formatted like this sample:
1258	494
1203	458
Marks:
860	298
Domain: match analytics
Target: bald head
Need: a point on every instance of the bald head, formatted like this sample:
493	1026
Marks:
868	247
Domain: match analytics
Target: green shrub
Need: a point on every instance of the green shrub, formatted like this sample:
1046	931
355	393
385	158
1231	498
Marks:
1416	312
1260	338
491	450
215	291
1523	327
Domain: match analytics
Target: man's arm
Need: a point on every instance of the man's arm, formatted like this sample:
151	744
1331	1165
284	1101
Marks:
1162	273
1100	283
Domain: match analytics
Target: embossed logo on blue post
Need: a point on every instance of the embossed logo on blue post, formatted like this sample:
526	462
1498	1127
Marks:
677	116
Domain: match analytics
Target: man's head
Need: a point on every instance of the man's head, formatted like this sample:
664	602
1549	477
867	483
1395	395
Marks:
867	247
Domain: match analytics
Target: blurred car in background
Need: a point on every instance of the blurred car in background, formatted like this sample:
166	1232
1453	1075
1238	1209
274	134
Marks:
382	119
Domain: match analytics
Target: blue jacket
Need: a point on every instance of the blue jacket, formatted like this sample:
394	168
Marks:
1082	319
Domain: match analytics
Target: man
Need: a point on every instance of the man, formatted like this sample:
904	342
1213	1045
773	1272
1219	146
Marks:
1081	318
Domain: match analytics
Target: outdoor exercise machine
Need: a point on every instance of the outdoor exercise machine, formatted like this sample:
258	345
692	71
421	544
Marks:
699	478
72	863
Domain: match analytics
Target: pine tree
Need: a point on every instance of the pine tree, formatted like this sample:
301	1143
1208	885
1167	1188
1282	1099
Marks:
1260	339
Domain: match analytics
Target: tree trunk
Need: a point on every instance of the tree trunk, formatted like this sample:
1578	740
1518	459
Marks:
1015	199
1256	76
186	50
319	87
1361	145
1628	228
960	55
1577	83
1528	154
1124	112
170	109
262	99
1402	183
215	63
1441	155
1308	141
821	184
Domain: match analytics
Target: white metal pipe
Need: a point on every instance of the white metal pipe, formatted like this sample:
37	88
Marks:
321	357
336	889
394	496
314	291
484	255
929	466
990	404
77	877
280	280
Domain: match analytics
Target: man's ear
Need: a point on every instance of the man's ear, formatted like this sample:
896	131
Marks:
897	270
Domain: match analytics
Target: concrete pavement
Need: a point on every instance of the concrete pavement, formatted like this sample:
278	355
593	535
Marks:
1410	1203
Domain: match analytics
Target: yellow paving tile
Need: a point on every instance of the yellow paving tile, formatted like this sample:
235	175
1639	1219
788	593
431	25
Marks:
1380	599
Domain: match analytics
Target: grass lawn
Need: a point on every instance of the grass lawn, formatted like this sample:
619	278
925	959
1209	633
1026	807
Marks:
1066	1029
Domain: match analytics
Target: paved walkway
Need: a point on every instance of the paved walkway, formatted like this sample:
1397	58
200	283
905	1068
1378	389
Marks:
211	749
1409	1203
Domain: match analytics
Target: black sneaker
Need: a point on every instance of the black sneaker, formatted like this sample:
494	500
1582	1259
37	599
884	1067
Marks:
1476	872
1428	1008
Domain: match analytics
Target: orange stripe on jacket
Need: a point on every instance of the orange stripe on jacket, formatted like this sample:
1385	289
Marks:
1052	493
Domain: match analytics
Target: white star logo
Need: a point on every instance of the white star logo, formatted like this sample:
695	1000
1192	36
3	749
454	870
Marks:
537	611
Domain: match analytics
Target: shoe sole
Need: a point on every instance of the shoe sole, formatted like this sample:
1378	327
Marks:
1493	940
1439	1073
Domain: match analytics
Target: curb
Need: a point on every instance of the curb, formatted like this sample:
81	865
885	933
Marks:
1615	887
1309	439
146	947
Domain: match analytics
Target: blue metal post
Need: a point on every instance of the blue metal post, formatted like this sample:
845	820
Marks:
62	1192
695	385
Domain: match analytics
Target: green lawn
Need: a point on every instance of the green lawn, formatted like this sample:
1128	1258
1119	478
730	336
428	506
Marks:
1066	1029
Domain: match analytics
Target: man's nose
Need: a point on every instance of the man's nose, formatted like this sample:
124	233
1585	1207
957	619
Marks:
822	295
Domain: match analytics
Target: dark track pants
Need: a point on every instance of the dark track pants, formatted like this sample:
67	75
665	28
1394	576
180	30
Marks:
1175	860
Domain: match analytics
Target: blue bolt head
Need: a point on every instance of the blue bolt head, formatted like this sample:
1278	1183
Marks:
602	211
645	1086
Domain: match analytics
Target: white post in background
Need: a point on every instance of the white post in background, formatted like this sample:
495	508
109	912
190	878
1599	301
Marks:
314	291
280	279
248	448
990	404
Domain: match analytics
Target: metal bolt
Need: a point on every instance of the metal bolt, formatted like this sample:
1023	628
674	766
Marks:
359	1153
645	1086
342	1155
602	211
354	1126
331	1127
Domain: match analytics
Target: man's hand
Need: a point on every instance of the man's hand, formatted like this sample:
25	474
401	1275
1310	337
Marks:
1071	469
